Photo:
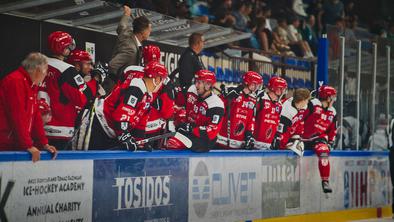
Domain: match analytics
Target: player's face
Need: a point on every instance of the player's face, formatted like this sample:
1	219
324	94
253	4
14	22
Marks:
86	68
202	87
254	87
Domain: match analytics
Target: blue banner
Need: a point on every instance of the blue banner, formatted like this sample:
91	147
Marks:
154	189
322	62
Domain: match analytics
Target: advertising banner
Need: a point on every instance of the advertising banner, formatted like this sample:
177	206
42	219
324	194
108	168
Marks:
46	191
152	189
224	189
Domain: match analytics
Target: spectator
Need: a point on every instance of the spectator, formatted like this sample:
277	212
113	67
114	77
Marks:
189	62
127	49
267	15
316	9
281	41
22	126
332	10
222	13
308	33
241	15
296	41
264	36
349	10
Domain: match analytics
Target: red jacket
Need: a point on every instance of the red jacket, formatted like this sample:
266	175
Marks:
239	119
21	123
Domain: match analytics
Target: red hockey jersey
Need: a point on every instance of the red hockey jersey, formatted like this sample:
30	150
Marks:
320	123
65	92
238	119
267	121
124	108
291	123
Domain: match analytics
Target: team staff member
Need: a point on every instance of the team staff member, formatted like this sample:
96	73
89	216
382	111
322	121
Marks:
21	125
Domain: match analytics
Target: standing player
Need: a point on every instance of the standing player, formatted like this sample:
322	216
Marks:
269	107
204	116
291	126
320	130
117	115
63	89
239	121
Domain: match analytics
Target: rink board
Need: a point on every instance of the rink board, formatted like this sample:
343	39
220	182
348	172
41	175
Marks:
185	186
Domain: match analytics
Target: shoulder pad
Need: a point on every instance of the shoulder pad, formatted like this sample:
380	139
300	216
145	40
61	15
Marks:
59	64
214	101
288	110
139	83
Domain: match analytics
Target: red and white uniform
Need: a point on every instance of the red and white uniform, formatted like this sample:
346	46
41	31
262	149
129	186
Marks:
320	123
240	115
131	72
128	104
205	117
267	121
21	123
66	93
291	123
320	130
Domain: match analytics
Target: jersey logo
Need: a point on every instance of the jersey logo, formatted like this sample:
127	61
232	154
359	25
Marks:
280	128
79	80
124	125
330	118
132	101
215	119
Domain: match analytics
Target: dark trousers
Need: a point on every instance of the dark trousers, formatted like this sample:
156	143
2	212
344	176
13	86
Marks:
391	161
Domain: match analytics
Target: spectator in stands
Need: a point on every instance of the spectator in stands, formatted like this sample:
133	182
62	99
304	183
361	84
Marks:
349	10
309	34
333	37
267	15
316	9
222	12
189	62
264	36
281	41
241	15
296	41
21	125
332	10
127	50
351	25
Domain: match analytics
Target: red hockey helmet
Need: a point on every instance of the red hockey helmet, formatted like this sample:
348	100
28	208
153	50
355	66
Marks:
252	77
325	92
78	55
154	69
59	40
277	83
206	75
151	53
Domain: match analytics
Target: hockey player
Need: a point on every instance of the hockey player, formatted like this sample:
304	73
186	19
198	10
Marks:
63	89
149	53
320	130
239	120
269	107
117	115
204	116
83	63
291	126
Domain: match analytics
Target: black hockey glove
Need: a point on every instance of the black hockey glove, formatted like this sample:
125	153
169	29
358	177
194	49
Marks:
127	142
249	142
186	127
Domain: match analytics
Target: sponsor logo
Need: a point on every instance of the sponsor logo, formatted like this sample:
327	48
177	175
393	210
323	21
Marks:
4	198
143	192
132	101
220	188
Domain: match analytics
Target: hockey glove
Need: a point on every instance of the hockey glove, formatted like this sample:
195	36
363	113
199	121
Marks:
127	142
249	142
186	127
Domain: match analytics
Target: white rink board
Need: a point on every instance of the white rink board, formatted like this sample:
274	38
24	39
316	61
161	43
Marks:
224	189
47	190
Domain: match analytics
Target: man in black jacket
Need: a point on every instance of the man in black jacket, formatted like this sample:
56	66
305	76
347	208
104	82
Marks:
189	62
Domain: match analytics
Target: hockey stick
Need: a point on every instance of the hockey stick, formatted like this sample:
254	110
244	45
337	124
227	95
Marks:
154	138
